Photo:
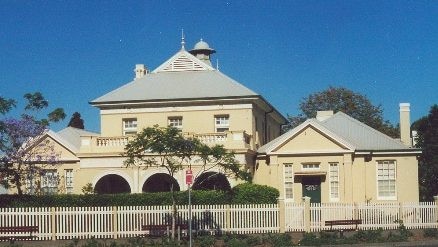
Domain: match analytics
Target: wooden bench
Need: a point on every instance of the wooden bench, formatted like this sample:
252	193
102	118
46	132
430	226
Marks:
163	230
332	223
13	233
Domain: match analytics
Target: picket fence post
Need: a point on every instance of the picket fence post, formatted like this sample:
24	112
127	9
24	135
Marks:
400	213
227	217
281	215
435	198
307	215
53	222
115	228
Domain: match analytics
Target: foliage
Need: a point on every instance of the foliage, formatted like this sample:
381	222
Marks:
427	130
430	233
199	197
169	149
24	153
351	103
76	121
87	189
278	239
254	193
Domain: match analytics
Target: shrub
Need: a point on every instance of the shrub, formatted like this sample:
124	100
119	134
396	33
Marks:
248	193
278	239
430	233
241	194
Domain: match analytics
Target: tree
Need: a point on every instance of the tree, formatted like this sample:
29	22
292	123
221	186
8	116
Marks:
169	149
427	140
342	99
76	121
24	153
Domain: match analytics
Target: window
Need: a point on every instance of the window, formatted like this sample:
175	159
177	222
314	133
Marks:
69	181
175	122
130	126
386	178
310	166
49	182
30	182
222	123
334	181
288	181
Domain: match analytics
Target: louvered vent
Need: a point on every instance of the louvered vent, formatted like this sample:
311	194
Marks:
183	63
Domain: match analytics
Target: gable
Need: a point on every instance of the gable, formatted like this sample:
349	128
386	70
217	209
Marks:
310	140
182	61
50	145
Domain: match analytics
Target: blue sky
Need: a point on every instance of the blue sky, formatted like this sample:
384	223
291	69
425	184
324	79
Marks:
76	51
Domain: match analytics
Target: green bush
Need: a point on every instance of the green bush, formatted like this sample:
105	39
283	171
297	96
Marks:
430	233
278	239
241	194
248	193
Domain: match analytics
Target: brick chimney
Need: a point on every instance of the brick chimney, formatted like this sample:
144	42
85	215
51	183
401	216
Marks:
405	124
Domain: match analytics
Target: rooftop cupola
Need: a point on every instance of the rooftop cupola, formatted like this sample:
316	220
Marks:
203	51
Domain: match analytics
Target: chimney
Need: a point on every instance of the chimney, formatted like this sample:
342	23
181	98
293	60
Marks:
405	124
323	115
140	71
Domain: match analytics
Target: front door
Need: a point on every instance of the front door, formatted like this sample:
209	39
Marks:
312	188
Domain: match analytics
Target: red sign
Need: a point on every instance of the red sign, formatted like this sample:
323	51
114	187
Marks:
189	177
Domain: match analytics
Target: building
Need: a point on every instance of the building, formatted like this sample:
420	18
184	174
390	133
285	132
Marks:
335	158
332	158
185	92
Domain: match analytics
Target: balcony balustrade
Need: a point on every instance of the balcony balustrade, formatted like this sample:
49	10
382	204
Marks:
116	144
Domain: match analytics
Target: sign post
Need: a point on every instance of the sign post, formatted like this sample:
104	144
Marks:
189	181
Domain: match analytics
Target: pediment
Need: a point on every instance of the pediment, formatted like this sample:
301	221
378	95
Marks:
182	61
311	140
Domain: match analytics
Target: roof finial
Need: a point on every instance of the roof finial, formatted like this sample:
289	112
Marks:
182	39
217	64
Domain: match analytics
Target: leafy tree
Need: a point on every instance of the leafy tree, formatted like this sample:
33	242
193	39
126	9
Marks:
76	121
169	149
24	154
427	140
342	99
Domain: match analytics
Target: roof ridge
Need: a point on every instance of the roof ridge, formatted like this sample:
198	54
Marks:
236	82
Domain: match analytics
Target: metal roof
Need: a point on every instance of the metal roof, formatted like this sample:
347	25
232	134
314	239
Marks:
361	135
346	130
71	137
177	85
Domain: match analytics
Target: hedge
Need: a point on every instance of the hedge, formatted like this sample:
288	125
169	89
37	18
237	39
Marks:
241	194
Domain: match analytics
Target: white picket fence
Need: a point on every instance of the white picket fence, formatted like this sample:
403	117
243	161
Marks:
126	221
375	215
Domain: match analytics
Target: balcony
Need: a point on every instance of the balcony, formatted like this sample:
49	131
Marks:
233	140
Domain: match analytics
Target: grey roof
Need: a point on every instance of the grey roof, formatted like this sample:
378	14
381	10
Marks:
348	131
72	137
177	85
183	76
362	136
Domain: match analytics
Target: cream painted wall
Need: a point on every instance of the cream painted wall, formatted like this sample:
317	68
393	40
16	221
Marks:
195	121
310	139
357	179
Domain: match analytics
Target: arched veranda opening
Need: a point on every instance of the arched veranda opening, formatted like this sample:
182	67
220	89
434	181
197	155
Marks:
211	181
112	184
160	182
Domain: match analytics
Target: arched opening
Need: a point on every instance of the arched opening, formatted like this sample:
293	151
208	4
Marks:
112	184
211	181
160	182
